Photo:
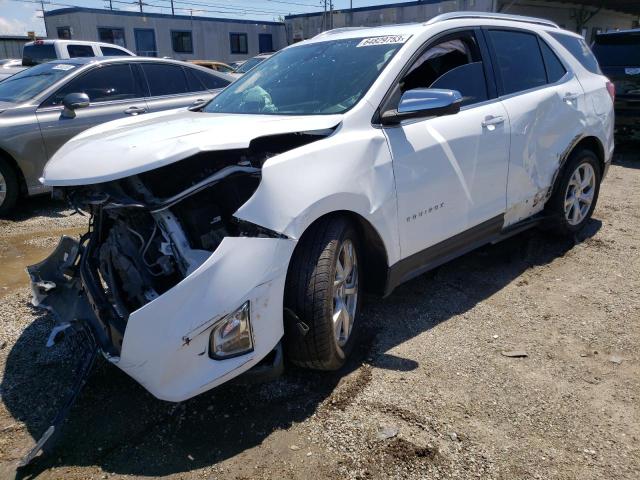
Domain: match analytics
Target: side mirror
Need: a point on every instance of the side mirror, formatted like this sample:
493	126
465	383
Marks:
72	102
424	102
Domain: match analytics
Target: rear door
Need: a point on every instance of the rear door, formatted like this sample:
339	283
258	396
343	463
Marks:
114	91
619	58
546	107
174	86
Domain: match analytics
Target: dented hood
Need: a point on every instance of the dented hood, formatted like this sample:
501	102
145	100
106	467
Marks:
130	146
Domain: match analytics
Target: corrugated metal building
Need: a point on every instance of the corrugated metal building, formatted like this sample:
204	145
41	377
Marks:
584	16
176	36
11	45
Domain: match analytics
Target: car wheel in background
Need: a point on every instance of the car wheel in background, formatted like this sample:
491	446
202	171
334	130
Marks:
323	295
9	187
575	197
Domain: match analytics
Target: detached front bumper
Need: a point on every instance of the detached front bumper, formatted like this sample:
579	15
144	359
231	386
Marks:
165	346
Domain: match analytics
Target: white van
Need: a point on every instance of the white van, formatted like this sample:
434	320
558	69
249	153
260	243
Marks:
41	51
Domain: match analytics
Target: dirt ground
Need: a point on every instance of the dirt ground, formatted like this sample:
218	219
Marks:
429	393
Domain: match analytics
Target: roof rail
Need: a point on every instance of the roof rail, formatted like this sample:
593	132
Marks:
491	16
337	30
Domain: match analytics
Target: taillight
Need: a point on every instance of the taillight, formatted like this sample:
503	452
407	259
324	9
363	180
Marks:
611	88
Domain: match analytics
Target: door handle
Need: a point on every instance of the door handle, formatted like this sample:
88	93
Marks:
570	97
135	110
492	121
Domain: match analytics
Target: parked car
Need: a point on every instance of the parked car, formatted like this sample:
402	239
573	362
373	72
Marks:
247	65
618	54
44	106
347	163
217	66
41	51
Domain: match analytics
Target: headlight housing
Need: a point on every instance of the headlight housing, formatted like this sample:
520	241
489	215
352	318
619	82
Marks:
233	335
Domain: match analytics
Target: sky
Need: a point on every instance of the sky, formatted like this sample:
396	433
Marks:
17	17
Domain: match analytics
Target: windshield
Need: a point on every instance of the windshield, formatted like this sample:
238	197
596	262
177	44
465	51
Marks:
249	64
30	82
317	78
618	50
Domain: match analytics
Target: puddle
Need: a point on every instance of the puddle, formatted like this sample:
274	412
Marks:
19	251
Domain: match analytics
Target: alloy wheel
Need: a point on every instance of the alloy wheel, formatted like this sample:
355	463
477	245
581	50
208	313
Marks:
345	292
580	193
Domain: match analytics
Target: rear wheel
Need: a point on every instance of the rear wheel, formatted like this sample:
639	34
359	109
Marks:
323	293
574	200
9	187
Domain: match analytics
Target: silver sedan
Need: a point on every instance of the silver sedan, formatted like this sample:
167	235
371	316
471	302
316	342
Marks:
46	105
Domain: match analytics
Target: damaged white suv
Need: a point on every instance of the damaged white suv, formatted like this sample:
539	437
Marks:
221	237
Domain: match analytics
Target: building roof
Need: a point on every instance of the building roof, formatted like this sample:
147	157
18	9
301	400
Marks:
625	6
99	11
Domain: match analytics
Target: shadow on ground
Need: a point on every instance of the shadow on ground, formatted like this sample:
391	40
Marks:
39	206
117	426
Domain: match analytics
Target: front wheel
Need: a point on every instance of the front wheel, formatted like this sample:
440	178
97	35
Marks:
323	294
9	187
575	197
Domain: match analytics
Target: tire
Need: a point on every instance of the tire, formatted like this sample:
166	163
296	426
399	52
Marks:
310	338
567	216
9	188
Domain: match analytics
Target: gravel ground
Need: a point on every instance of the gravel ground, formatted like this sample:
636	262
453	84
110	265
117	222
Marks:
519	360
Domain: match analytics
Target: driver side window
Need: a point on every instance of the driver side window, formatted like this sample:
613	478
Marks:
453	64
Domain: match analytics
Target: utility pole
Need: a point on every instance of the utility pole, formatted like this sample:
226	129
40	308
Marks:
46	33
324	17
173	12
331	14
110	5
140	3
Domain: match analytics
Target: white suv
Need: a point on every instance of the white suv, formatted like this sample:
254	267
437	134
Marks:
351	162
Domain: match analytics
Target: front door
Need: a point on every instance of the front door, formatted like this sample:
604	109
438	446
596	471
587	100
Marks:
114	92
450	171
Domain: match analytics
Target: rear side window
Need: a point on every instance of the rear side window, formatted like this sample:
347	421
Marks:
519	60
555	69
113	52
102	84
579	49
210	81
80	51
165	79
618	50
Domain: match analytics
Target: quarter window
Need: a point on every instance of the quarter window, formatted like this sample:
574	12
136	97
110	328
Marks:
579	49
454	64
239	43
519	60
113	52
80	51
555	69
102	84
182	42
165	79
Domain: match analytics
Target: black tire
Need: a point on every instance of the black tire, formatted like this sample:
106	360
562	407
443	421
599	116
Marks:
12	187
558	221
310	341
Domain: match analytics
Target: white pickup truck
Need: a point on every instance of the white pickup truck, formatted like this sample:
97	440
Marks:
41	51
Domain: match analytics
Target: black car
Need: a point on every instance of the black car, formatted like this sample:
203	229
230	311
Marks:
619	56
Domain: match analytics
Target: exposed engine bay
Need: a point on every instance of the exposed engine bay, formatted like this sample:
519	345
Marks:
151	230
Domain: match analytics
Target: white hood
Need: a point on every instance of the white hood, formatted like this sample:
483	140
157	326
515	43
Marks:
130	146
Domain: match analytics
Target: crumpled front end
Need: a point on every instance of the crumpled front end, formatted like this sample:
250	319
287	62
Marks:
178	292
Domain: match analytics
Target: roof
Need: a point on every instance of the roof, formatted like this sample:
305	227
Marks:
99	11
625	6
